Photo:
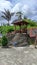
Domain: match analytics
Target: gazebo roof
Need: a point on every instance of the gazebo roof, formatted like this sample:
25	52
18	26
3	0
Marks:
20	22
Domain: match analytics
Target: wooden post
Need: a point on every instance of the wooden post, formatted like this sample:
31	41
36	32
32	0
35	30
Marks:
26	29
20	28
15	28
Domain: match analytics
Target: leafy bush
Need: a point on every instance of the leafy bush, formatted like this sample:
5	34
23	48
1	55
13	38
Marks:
4	41
10	30
4	29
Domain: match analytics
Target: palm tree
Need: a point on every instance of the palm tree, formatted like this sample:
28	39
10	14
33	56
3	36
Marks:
19	14
25	17
7	15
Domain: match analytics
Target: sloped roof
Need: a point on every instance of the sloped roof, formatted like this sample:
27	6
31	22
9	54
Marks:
15	21
19	22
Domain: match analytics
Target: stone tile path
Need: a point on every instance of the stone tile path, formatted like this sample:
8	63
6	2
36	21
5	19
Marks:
18	56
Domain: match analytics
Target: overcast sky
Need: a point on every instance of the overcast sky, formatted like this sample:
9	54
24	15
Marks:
28	7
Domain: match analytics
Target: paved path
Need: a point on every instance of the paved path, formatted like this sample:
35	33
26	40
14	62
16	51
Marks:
18	56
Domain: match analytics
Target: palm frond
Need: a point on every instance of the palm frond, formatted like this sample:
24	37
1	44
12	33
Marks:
19	14
12	14
7	15
3	17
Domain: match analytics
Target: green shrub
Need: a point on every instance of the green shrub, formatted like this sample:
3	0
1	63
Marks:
10	30
4	41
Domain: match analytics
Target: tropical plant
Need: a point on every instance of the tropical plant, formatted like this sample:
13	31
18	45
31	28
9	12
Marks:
4	41
19	14
10	30
25	17
7	15
31	23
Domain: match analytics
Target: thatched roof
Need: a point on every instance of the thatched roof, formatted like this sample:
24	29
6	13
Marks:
17	22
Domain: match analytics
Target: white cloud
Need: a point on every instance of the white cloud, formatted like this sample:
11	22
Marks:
25	9
34	12
5	4
17	7
34	17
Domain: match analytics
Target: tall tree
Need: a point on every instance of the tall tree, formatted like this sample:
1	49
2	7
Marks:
25	17
7	15
19	14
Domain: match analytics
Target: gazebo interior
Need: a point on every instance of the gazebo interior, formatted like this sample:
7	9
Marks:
21	24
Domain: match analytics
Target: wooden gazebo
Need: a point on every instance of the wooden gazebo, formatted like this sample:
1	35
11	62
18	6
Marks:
20	23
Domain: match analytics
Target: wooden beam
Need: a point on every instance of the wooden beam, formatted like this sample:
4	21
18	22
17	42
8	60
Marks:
15	28
20	28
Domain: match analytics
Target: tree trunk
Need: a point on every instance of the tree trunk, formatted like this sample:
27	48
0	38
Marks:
8	23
